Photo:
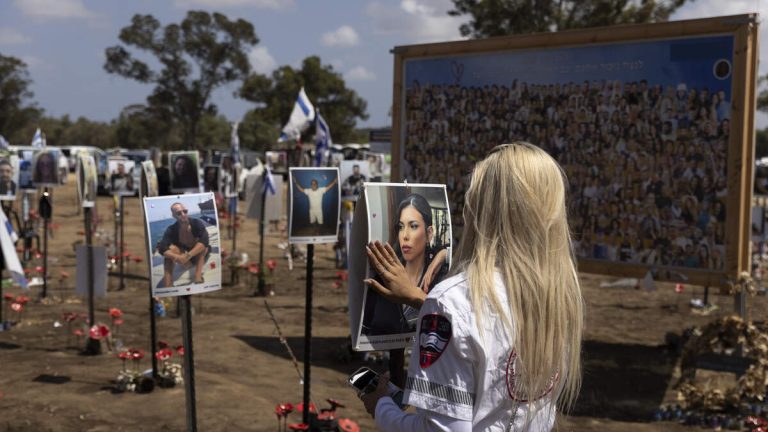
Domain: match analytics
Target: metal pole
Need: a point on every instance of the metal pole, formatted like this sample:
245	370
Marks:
46	221
26	230
262	286
189	362
93	346
122	243
308	332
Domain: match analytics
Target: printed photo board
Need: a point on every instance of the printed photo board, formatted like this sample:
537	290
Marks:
314	198
651	123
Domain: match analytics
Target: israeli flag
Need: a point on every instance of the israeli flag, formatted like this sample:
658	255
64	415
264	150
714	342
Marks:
235	144
302	115
38	141
3	143
322	139
269	181
7	239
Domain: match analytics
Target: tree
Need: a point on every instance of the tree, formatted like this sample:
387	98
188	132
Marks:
203	53
506	17
15	109
275	97
138	126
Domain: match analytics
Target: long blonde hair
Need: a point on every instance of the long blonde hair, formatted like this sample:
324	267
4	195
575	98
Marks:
515	223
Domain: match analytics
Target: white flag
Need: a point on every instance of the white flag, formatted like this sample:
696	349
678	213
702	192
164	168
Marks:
302	115
7	239
38	141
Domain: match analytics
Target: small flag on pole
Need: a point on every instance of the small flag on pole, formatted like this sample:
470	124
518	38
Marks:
302	115
269	182
235	144
7	239
38	141
322	139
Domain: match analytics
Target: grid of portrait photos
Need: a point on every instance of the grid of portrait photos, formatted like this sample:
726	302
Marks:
45	167
184	244
415	219
87	180
184	171
644	145
149	185
9	176
314	198
121	178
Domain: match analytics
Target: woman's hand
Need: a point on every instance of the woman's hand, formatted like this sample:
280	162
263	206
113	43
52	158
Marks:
433	269
399	288
371	399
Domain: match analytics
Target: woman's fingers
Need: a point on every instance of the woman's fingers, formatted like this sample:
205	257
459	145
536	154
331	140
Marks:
373	283
391	252
378	265
381	254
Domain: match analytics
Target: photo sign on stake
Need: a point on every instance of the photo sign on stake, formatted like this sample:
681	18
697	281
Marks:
415	220
184	244
87	179
314	198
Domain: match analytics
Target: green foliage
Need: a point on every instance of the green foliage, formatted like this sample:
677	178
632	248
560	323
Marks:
138	126
276	95
505	17
63	132
204	52
16	111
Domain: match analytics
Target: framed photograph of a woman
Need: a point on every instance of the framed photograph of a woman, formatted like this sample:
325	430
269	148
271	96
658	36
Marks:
185	175
415	221
314	203
45	167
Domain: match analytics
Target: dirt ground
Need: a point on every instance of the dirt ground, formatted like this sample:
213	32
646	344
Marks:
242	369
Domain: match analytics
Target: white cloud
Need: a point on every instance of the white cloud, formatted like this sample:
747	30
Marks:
217	4
344	36
261	60
9	36
418	21
360	73
54	8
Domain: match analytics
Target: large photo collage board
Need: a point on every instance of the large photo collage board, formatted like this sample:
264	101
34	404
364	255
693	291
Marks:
648	122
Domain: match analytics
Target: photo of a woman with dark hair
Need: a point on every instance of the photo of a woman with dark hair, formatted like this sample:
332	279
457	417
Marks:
184	172
425	261
46	168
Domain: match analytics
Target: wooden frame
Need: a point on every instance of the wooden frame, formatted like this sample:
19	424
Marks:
740	144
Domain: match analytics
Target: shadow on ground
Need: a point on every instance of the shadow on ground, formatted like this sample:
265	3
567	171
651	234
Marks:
624	382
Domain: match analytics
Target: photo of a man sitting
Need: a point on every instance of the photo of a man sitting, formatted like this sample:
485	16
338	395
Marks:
184	243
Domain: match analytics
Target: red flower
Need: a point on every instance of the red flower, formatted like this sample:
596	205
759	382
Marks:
164	354
39	269
69	316
180	350
162	344
124	355
213	265
8	297
253	268
22	299
288	407
38	255
347	425
98	331
312	407
679	288
118	322
271	264
137	259
27	271
77	332
298	426
126	254
341	274
336	284
136	354
17	307
115	312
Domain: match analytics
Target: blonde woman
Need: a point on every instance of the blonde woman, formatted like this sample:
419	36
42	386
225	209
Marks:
498	343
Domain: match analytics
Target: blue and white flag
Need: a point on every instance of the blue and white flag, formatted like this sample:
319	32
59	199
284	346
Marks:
7	239
38	141
235	144
302	115
269	181
3	143
322	139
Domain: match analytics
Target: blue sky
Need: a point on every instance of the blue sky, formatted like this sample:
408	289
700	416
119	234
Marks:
63	43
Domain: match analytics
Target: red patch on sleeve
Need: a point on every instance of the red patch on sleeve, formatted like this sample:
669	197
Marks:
434	336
